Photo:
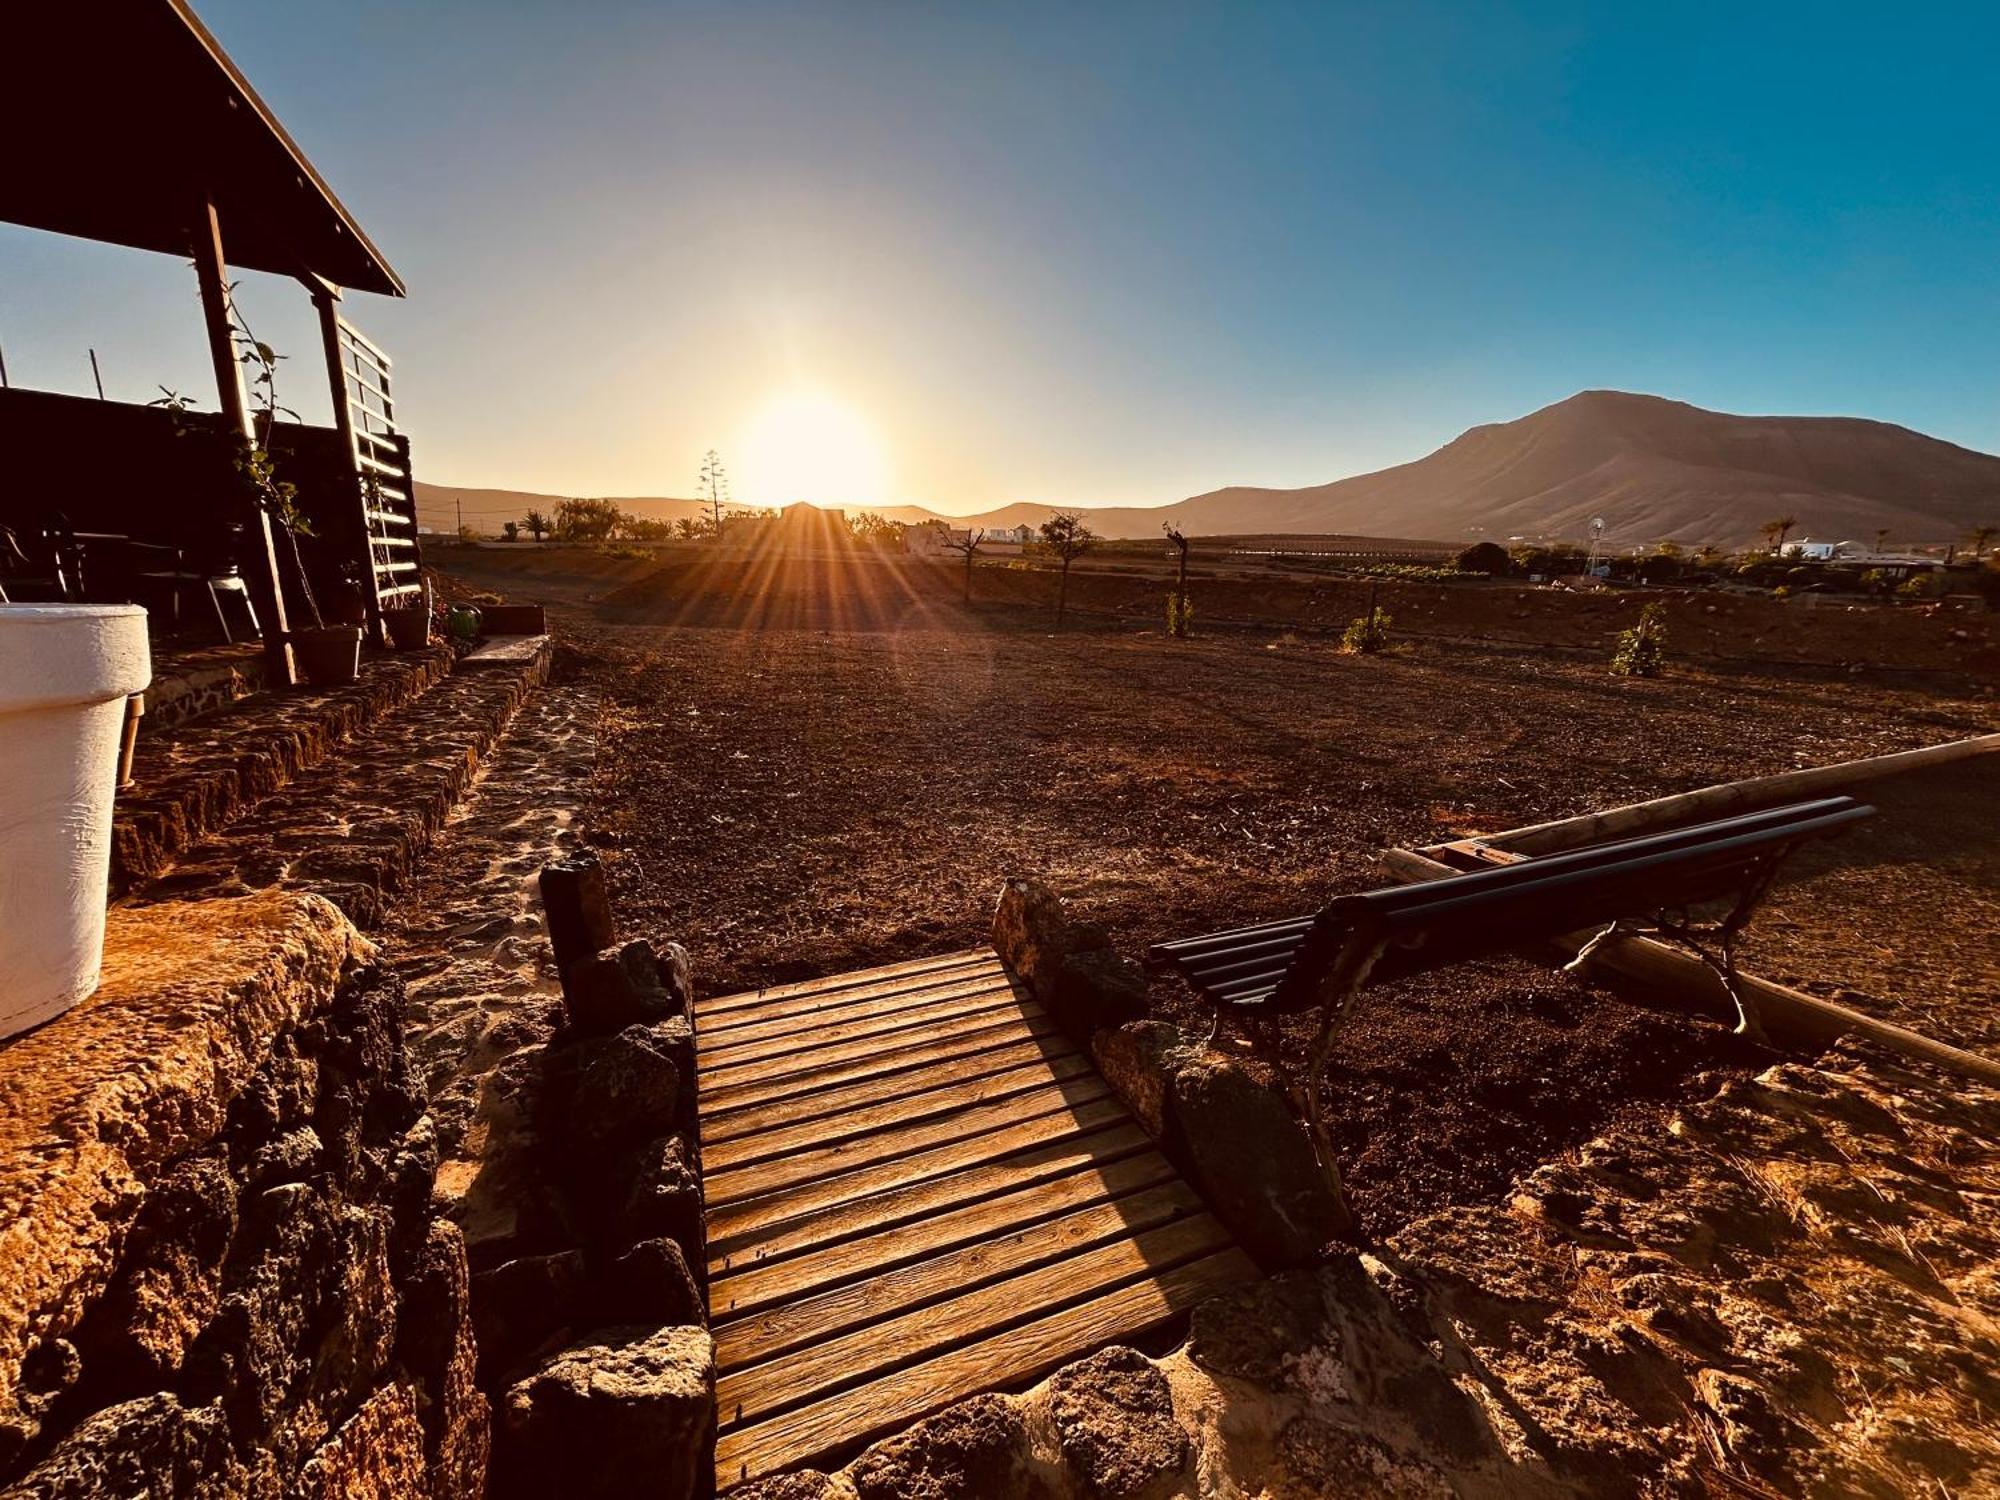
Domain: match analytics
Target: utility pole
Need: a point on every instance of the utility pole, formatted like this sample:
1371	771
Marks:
459	501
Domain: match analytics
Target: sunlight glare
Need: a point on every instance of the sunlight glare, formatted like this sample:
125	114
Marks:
806	445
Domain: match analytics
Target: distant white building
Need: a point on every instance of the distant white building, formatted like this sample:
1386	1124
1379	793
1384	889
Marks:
1808	550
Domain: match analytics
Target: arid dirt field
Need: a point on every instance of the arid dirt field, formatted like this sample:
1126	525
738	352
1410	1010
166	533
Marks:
816	767
807	768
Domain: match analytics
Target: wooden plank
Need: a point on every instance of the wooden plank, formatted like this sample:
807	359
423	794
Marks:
787	1017
720	1074
843	1043
825	1128
966	1038
767	1080
981	1002
884	1212
735	1222
765	1283
867	1302
760	1179
725	1124
717	1042
1731	797
859	977
750	1393
816	1001
816	1433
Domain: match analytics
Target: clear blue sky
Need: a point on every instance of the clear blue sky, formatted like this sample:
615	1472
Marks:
1100	253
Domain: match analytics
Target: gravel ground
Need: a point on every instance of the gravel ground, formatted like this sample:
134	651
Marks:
796	780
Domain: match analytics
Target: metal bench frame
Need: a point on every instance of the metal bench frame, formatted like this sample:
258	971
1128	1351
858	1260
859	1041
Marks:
1651	884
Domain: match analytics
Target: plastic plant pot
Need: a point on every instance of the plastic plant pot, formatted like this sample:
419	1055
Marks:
65	673
329	655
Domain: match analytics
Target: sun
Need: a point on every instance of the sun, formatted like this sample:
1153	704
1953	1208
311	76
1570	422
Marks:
806	445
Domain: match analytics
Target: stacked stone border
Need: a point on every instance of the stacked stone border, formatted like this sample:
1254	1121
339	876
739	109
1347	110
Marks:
353	827
191	778
222	1273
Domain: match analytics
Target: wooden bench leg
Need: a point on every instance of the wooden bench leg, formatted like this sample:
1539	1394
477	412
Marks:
1343	981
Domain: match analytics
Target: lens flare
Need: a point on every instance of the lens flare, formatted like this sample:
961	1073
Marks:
806	445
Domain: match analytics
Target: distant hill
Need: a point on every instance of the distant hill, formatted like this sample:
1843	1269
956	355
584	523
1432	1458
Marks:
1654	469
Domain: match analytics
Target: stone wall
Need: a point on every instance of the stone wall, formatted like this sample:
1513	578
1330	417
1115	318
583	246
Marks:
1219	1115
220	1271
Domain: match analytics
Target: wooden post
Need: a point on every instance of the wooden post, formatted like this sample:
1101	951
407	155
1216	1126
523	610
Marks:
325	295
578	910
261	573
1731	797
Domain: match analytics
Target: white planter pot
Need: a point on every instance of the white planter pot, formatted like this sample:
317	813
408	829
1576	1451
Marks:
65	673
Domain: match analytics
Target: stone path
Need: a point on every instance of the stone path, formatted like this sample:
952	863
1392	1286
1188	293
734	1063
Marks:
470	946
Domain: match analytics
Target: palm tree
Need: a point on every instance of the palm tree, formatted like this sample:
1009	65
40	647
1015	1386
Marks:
1982	538
537	523
1777	530
1881	540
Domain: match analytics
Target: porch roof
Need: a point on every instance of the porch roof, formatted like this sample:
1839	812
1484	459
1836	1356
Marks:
120	118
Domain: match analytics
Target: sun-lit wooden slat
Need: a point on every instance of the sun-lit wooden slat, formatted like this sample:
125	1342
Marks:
878	1030
840	1422
826	1103
811	1023
861	1260
817	1002
797	1139
860	979
864	1303
918	1189
757	1240
962	1038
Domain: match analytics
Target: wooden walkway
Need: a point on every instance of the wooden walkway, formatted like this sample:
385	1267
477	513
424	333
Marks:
918	1190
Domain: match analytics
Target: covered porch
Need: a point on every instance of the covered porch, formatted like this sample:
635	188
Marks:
164	146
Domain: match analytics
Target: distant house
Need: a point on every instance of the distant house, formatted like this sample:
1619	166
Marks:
1808	550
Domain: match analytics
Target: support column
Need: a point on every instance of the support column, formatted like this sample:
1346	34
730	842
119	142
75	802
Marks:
325	297
261	566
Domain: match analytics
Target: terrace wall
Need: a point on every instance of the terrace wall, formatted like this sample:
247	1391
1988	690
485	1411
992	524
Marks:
220	1270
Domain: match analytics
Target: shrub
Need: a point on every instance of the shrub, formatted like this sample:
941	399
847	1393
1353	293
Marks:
1642	650
1180	614
1366	634
1485	557
1921	586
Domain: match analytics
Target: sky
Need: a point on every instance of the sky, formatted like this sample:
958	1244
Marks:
966	254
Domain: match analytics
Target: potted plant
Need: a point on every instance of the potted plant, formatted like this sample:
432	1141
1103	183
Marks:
328	655
409	626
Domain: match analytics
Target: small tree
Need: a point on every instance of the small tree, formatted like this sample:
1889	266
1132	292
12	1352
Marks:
1982	538
1066	536
966	541
714	490
588	520
875	530
690	528
1180	613
1366	634
1484	557
1921	586
1776	530
1642	650
538	524
511	530
1881	540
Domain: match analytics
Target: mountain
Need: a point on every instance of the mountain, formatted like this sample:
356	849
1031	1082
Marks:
1654	469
